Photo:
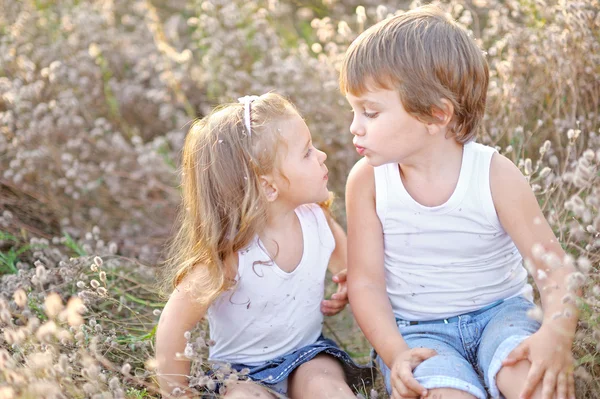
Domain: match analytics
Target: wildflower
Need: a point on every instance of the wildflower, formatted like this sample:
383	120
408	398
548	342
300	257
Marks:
156	312
98	261
95	284
102	276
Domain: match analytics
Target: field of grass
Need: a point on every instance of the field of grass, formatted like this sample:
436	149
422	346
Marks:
96	97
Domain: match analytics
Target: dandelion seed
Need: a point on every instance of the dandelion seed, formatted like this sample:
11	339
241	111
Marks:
211	385
126	369
536	313
541	275
20	298
114	383
53	305
7	393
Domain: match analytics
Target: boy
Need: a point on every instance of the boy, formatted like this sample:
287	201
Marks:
438	226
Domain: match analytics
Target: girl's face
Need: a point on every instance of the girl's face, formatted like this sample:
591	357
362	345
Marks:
303	175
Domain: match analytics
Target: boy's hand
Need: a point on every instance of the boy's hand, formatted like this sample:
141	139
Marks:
339	300
404	384
551	360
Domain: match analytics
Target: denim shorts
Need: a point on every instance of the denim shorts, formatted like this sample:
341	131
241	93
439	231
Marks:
273	374
470	351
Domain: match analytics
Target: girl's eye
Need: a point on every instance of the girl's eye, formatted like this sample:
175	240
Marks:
370	115
308	153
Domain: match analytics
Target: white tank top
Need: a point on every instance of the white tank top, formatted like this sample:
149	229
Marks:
451	259
271	312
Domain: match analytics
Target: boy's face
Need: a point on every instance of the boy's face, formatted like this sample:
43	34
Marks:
383	131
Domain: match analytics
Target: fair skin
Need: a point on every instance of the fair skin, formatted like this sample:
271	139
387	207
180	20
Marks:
305	182
429	163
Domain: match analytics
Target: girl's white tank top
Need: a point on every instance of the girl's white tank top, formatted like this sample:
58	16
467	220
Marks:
271	312
451	259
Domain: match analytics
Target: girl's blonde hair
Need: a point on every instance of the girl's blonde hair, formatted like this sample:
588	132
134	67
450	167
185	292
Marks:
224	206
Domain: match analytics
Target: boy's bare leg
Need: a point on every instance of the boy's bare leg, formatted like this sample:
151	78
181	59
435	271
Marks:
511	380
322	377
247	389
447	393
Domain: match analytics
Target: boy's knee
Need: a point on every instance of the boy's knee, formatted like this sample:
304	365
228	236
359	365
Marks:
448	393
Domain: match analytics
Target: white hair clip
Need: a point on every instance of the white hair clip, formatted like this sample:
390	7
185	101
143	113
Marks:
247	100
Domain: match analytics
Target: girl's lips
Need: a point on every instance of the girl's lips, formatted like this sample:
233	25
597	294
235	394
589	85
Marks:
326	177
359	149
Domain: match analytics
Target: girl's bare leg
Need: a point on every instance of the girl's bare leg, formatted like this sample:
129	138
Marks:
247	389
322	377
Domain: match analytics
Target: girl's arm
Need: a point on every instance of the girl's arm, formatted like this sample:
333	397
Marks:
337	266
181	313
339	257
548	350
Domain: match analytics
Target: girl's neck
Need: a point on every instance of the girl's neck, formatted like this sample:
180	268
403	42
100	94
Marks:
280	218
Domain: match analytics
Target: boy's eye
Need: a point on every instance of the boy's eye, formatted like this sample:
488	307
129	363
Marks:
308	153
370	115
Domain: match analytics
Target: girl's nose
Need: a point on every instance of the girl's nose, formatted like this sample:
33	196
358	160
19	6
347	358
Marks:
322	156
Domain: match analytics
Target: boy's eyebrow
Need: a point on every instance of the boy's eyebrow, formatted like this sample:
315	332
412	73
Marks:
366	102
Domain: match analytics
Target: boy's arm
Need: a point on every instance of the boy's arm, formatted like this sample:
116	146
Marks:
522	218
181	313
366	277
366	285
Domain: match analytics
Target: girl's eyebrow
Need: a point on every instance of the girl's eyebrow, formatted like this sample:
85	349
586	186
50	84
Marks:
307	144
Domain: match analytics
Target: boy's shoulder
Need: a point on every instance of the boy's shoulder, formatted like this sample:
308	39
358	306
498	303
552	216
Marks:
362	172
360	185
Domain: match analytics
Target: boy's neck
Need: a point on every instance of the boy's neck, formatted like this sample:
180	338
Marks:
437	159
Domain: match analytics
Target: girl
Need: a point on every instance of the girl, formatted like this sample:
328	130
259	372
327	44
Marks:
252	254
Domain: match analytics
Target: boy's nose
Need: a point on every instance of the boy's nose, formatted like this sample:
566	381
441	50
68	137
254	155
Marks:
355	127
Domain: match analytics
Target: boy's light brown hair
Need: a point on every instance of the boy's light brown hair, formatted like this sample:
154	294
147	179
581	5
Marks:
426	57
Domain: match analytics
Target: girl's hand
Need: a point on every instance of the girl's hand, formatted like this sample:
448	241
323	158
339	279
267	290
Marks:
552	363
404	384
339	300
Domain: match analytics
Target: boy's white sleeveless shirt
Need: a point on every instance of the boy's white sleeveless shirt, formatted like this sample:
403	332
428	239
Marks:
451	259
271	312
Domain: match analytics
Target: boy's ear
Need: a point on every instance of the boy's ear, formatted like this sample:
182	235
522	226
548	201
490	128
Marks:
269	187
444	114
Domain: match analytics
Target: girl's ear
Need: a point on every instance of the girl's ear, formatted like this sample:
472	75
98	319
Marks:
269	187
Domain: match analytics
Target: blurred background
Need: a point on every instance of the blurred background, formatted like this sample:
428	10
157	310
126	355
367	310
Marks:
96	97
